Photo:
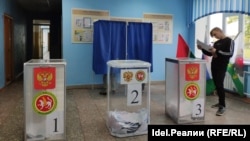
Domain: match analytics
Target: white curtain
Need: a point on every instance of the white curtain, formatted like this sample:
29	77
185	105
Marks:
200	8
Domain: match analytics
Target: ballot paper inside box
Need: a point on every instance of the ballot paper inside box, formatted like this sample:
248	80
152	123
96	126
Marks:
123	123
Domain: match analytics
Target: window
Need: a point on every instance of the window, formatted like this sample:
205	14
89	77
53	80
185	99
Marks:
236	26
246	52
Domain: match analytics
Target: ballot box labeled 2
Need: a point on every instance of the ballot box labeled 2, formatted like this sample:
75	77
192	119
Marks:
128	97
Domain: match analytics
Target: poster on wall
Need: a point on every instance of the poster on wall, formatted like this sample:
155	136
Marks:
162	27
82	24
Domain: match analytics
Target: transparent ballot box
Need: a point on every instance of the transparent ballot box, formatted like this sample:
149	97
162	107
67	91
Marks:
44	100
185	89
128	97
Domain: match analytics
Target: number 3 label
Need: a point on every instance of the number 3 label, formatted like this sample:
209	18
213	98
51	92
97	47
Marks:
134	94
198	108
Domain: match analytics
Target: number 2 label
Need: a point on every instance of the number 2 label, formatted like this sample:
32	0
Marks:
134	94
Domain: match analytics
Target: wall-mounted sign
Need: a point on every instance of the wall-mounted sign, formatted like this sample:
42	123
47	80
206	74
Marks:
82	24
162	27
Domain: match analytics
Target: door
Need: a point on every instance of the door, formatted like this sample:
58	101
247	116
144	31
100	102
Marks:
45	42
41	29
8	49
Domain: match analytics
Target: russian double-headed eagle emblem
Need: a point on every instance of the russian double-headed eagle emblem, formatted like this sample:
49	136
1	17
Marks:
127	76
192	72
44	78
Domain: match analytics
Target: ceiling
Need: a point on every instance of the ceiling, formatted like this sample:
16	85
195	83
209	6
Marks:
41	6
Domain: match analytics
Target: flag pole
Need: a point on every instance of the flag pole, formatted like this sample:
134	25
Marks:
237	35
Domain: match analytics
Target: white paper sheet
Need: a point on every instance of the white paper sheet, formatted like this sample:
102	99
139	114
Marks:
203	45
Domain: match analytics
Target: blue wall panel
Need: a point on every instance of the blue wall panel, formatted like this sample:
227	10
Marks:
2	5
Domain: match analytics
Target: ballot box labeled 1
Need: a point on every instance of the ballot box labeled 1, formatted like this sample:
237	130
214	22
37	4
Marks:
128	97
44	100
185	88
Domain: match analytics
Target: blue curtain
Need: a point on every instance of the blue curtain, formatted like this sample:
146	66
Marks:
139	42
112	42
109	43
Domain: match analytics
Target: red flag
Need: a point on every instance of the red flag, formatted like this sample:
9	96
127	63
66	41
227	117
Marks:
183	49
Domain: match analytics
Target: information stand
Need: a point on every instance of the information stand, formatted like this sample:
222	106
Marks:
185	89
128	112
44	100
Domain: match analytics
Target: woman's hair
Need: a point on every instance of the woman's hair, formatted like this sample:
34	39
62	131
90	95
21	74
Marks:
215	29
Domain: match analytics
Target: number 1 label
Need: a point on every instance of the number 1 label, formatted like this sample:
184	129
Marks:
55	123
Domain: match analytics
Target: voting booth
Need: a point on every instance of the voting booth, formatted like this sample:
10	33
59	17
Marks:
44	100
185	89
128	99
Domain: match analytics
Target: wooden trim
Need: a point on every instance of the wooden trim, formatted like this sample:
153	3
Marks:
6	15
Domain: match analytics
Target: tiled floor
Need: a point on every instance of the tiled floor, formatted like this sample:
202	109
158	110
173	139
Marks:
85	113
